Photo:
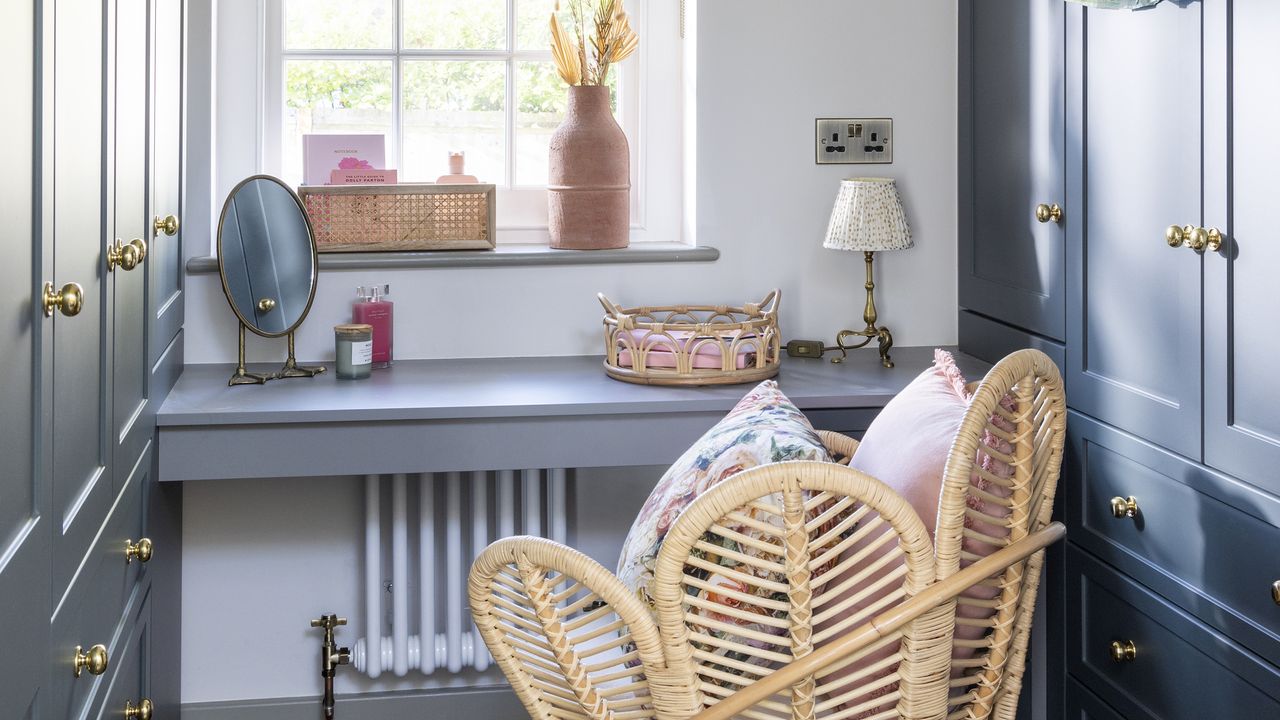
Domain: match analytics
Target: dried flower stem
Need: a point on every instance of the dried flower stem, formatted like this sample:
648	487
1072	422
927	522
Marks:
612	40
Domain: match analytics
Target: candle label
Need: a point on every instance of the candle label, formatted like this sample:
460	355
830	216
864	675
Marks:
362	352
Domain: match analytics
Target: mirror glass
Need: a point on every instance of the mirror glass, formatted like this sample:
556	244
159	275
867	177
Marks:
267	256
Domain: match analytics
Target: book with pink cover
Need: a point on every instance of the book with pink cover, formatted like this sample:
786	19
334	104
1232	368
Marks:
362	177
324	153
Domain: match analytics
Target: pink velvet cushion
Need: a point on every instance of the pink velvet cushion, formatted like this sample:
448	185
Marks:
907	446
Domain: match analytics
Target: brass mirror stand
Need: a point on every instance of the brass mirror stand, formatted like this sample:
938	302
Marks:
242	376
292	369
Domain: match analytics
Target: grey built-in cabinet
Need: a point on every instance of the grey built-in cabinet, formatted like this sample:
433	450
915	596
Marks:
1132	122
92	125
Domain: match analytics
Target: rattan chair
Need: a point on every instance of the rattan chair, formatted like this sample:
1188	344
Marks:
861	624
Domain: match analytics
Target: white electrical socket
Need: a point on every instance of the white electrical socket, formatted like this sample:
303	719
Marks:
853	140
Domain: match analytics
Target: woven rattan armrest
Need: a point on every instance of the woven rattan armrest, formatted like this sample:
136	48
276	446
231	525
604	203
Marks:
885	623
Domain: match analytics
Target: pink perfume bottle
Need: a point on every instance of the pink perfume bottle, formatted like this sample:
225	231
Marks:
373	308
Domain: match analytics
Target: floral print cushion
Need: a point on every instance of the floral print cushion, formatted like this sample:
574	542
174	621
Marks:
765	427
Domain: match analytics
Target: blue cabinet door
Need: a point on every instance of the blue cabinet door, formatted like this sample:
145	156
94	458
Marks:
1134	159
1242	394
1011	160
26	523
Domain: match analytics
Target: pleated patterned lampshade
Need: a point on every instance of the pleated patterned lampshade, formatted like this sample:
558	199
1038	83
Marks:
868	216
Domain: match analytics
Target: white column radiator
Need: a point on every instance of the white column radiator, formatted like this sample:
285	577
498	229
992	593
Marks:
452	516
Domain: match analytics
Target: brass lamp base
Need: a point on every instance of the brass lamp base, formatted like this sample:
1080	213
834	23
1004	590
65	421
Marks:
870	332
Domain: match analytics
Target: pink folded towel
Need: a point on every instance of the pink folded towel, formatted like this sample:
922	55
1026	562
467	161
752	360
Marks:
708	355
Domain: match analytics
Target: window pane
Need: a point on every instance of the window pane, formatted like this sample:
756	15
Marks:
334	96
533	17
454	105
337	24
541	99
455	24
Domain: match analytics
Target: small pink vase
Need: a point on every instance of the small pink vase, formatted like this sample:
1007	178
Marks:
589	185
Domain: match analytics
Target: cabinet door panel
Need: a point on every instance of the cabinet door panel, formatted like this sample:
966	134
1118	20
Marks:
165	264
1011	114
1134	149
24	499
1242	395
130	369
81	344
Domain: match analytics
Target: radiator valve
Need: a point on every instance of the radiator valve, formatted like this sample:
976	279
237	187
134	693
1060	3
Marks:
331	656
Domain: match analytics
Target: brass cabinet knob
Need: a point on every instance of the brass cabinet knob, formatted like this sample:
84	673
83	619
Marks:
125	257
141	711
1046	213
1196	238
1123	651
1124	507
140	550
167	225
140	246
1210	239
1275	591
266	305
69	300
95	661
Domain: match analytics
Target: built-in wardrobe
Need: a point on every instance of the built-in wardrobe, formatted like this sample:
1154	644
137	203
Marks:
91	301
1116	197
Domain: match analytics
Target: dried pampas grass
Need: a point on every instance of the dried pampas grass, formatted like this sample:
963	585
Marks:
612	41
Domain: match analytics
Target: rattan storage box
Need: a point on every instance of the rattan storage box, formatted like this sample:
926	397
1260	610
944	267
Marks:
385	218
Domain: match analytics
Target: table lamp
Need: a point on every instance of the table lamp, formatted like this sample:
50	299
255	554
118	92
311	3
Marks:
868	216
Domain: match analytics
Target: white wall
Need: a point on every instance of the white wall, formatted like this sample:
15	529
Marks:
765	71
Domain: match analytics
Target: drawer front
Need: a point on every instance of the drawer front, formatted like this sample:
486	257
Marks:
1180	668
90	613
1199	538
1084	705
129	681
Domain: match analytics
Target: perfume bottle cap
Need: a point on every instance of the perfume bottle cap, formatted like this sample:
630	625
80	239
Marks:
380	290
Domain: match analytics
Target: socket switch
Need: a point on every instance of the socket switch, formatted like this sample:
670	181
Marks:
853	140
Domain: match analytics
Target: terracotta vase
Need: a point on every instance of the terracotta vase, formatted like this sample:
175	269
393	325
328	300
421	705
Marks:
589	185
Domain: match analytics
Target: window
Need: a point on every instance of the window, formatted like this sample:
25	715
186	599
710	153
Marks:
441	75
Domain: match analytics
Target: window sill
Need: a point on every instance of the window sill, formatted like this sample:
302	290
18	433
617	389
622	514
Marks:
502	256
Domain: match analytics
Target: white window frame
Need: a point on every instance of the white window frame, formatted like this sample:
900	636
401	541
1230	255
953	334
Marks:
651	105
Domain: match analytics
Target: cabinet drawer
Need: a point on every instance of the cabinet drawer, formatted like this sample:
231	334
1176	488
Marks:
1199	538
129	681
1180	668
1084	705
90	612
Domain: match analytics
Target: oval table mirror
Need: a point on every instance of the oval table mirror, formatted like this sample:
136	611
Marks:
267	260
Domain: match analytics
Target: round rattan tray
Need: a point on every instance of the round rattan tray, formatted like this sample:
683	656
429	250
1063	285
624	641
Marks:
692	344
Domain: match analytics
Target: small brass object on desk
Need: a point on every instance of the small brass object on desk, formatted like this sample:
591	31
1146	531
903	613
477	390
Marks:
1275	591
1123	651
140	550
95	661
141	711
1124	507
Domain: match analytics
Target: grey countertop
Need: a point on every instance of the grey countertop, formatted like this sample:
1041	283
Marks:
418	390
